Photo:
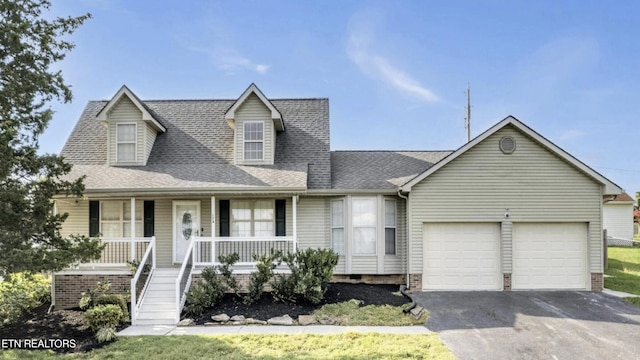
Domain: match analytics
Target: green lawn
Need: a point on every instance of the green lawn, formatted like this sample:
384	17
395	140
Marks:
624	269
351	313
350	345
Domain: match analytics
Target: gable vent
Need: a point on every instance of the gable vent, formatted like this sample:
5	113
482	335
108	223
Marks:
507	144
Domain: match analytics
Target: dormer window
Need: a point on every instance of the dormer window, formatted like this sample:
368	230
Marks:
253	140
126	143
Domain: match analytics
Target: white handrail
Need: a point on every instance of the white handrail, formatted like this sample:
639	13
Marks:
181	297
134	305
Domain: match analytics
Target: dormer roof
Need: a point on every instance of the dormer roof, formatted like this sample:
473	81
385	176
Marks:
147	115
276	116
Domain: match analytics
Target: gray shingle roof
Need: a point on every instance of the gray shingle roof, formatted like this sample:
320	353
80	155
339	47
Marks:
197	135
367	170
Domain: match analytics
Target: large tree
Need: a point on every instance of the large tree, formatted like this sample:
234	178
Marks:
30	45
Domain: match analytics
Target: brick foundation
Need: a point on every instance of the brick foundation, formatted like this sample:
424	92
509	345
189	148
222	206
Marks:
392	279
415	282
69	287
506	282
596	282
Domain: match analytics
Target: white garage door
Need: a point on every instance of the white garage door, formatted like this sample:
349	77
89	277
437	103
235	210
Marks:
461	256
549	256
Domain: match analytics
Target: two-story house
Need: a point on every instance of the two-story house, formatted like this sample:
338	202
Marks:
175	183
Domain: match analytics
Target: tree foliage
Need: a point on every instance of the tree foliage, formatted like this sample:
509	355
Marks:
30	45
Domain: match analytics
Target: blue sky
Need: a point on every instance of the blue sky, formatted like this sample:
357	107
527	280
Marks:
395	72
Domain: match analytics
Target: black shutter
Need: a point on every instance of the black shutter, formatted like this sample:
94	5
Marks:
224	218
281	224
149	218
94	218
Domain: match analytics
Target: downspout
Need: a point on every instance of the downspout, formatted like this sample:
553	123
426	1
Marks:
407	231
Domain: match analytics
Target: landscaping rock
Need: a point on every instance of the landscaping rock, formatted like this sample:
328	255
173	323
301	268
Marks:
220	318
252	321
329	321
211	324
186	322
237	318
281	320
416	311
307	320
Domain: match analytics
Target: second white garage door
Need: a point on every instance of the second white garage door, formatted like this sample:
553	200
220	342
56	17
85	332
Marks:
549	256
461	256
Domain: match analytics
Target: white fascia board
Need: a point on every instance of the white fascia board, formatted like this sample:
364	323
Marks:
124	91
230	115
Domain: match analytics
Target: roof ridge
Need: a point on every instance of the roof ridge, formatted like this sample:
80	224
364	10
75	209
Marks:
394	151
210	99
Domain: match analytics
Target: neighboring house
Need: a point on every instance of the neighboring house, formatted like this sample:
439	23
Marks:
617	216
175	183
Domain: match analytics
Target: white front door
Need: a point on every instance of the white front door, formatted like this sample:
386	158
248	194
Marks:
186	225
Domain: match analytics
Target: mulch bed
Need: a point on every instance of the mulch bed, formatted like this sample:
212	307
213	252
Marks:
70	324
267	307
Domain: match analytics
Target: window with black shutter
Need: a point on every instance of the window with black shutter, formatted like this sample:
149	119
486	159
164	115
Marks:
94	218
281	224
224	218
149	218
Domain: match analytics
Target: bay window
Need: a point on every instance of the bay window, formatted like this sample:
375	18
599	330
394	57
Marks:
364	226
337	226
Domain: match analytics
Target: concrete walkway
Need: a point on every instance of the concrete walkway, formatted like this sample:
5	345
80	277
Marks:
618	294
161	330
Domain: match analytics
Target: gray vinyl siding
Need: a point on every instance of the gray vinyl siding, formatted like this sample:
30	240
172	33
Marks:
164	232
150	138
533	183
77	222
125	111
313	223
253	109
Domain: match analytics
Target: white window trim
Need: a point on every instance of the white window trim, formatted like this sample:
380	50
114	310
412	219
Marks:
252	221
134	142
343	227
121	221
395	227
245	141
376	227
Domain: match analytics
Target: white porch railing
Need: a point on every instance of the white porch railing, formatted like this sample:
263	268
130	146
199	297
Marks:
141	279
119	251
206	249
183	281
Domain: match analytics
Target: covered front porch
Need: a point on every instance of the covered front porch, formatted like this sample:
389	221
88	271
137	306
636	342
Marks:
166	241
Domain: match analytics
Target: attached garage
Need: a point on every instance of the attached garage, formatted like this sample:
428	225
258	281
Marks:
461	256
549	256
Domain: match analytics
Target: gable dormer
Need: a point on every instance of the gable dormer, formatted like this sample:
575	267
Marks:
131	129
255	122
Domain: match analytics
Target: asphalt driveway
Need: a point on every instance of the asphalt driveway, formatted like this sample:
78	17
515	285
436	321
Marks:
534	324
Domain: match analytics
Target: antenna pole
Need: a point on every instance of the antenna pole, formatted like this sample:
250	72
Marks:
468	118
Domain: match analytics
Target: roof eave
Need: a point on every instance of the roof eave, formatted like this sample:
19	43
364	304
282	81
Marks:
146	115
276	116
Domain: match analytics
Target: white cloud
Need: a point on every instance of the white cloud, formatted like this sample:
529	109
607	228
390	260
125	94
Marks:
572	134
230	61
361	37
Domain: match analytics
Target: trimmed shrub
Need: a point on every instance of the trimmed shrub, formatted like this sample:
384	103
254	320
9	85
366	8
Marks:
311	271
204	294
87	299
22	292
114	299
103	319
226	273
265	266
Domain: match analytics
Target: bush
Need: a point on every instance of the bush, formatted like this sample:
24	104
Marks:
114	299
226	273
22	292
311	271
87	299
204	294
103	319
265	265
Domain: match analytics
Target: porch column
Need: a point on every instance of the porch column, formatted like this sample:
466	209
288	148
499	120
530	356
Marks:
133	228
294	207
213	229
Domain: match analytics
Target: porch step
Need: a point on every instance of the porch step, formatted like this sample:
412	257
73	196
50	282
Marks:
158	306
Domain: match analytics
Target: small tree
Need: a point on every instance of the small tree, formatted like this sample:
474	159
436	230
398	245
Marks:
29	232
